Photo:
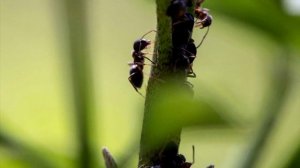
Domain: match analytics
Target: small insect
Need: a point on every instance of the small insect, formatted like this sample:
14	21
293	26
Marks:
136	75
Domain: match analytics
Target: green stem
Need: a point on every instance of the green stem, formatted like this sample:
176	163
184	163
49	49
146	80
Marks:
151	145
81	78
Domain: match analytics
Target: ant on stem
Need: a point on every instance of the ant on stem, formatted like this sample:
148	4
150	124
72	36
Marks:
136	75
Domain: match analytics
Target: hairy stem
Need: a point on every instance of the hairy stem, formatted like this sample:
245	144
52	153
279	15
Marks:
150	146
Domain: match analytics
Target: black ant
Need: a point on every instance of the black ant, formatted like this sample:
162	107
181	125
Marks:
170	158
204	17
184	49
176	9
136	67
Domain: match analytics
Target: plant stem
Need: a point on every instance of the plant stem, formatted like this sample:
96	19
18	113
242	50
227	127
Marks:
81	78
149	153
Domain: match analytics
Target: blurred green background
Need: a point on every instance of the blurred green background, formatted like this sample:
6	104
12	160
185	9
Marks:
233	74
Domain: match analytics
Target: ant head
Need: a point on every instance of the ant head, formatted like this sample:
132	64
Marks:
176	9
207	21
201	13
141	44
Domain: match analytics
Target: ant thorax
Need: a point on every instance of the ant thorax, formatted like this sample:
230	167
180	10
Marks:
138	57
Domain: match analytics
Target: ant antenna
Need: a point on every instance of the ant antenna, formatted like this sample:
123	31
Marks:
140	94
193	148
138	63
203	38
144	36
148	33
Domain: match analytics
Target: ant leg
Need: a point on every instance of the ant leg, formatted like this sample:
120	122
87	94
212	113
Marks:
203	38
149	53
199	24
189	83
149	60
129	78
191	73
138	63
193	148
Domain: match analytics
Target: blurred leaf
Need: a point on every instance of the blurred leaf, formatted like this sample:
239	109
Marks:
30	155
294	161
279	87
80	66
175	109
267	16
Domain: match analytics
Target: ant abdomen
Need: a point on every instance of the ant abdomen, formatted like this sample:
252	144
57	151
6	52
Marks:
136	76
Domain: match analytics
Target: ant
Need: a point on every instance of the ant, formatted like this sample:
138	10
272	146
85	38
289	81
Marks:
176	9
183	23
203	15
136	67
170	158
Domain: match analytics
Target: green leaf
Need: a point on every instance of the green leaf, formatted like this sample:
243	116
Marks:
29	155
174	109
294	161
268	16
